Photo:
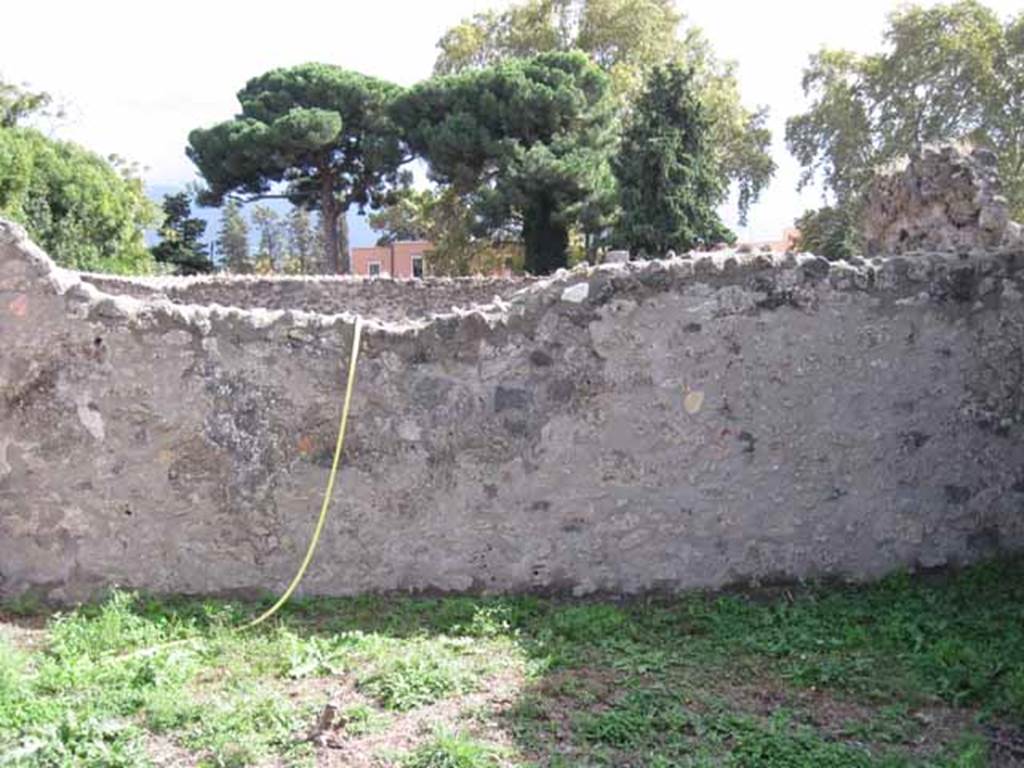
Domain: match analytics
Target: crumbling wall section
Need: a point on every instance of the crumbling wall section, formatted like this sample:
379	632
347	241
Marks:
657	426
947	198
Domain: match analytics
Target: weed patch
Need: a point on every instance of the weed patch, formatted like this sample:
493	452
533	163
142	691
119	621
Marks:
906	673
421	675
452	751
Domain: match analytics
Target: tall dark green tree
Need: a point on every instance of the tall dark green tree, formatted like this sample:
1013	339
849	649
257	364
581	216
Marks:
315	134
527	141
181	237
626	38
669	181
233	240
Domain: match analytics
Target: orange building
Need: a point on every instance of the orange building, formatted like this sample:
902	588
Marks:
403	259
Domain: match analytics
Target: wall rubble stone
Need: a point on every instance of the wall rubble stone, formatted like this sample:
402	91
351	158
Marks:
947	198
383	298
629	427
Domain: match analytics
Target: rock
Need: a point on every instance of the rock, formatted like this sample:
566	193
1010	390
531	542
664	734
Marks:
511	398
576	293
948	198
1014	235
540	358
616	257
816	268
995	217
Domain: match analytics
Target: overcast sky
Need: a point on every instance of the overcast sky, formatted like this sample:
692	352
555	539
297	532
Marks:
137	75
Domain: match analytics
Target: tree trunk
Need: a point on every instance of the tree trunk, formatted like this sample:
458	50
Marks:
547	242
335	260
343	241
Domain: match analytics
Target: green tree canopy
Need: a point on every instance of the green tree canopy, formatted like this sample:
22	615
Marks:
626	38
181	236
303	242
947	72
669	184
447	220
320	131
830	232
527	140
84	212
233	240
17	103
623	37
270	254
408	217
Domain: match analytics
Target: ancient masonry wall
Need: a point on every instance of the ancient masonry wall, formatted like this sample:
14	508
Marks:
677	424
385	299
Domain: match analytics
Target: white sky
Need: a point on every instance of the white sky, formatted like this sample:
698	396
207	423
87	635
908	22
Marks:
137	75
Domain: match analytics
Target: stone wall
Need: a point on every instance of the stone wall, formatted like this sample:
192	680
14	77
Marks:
381	298
657	426
947	198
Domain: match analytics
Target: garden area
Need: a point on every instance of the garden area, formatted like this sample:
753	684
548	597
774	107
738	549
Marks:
913	671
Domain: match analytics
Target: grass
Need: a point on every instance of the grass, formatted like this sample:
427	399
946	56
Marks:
910	672
452	751
419	674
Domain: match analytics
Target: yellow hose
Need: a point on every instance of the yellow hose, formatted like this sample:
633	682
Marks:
328	494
